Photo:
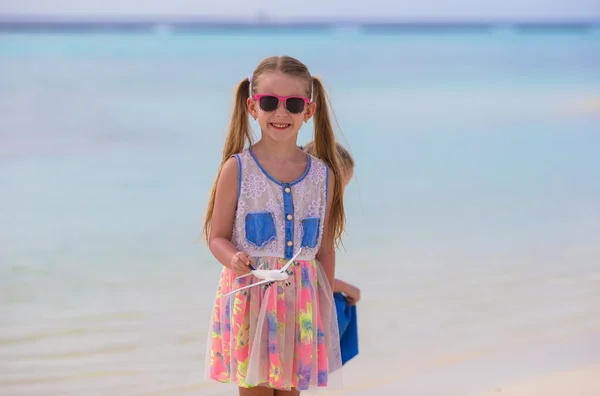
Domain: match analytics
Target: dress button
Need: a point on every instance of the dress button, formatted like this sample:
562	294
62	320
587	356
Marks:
289	217
290	243
287	190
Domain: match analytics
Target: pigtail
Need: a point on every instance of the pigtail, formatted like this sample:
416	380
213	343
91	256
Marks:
238	135
325	149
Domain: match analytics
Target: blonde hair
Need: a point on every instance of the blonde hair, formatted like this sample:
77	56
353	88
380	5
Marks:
324	138
346	159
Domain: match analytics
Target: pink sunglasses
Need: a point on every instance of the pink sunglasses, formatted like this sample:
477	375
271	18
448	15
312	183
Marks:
270	102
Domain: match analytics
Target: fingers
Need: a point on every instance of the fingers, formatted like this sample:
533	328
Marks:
353	295
242	258
240	263
247	260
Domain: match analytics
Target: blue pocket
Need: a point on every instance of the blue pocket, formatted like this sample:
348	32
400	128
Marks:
260	228
310	232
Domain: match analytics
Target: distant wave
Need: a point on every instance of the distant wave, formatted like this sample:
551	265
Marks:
174	25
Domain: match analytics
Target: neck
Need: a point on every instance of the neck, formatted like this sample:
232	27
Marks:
278	151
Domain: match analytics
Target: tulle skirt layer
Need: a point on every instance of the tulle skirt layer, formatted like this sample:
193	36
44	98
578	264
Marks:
282	336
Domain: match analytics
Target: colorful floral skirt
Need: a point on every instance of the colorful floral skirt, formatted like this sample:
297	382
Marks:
282	336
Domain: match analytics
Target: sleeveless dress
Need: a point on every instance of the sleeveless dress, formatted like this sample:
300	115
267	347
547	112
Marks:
285	335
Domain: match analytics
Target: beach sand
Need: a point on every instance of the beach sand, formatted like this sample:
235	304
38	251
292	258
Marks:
567	366
584	381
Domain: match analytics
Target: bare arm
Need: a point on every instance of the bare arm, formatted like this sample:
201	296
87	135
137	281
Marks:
219	240
352	292
340	286
326	254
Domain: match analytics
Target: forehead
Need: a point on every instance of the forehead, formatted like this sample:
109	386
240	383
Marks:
281	84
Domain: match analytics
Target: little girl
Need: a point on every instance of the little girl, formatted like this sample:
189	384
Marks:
271	201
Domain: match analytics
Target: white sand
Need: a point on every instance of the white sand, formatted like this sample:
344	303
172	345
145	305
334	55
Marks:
584	381
538	369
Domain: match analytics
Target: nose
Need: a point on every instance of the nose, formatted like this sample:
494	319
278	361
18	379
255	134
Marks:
281	111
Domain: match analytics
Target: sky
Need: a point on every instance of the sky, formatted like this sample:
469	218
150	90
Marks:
287	9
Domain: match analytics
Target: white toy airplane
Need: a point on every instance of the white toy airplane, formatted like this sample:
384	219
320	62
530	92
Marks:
268	276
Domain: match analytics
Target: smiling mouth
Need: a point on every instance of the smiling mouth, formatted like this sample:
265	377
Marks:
280	126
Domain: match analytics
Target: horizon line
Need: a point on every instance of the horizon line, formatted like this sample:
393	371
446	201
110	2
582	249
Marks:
184	24
263	17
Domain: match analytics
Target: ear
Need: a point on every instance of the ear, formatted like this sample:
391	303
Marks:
310	111
252	109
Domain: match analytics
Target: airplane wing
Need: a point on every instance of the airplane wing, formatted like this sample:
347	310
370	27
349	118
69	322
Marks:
247	287
286	266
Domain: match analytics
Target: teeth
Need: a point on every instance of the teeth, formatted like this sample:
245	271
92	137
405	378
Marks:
281	125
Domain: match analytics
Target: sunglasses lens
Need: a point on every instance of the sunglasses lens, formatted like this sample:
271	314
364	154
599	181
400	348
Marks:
295	105
268	103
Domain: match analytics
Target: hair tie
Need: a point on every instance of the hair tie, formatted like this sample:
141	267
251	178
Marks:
250	79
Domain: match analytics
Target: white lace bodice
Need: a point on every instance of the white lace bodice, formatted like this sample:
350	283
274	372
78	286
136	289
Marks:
276	219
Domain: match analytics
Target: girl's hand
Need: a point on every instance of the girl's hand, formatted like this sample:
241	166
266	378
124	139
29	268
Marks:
352	294
240	263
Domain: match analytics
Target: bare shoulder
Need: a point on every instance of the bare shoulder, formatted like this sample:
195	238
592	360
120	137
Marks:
230	169
227	184
229	172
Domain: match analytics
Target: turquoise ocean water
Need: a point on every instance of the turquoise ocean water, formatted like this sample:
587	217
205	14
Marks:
474	217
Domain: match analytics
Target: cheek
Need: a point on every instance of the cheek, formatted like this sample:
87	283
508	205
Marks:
300	118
